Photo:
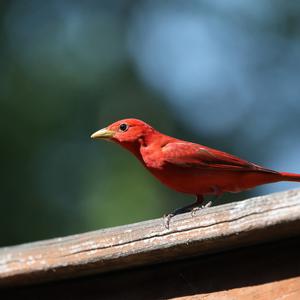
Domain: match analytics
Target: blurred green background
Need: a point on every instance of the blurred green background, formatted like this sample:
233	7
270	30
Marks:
222	73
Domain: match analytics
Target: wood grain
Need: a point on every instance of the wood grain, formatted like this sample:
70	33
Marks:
212	230
265	271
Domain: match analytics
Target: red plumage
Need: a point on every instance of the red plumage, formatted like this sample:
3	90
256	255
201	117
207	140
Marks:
188	167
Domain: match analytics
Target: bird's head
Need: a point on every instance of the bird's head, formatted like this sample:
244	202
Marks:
124	132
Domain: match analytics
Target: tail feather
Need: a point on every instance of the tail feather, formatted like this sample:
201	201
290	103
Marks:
290	176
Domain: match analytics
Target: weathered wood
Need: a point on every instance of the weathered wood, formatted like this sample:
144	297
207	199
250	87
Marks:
212	230
262	272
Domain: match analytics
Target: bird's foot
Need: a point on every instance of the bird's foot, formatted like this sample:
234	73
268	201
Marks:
167	218
208	204
195	209
189	208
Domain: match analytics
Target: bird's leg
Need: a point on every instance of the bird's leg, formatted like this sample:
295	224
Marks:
217	192
199	201
192	207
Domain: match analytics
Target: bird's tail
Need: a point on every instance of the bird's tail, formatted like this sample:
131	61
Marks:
290	176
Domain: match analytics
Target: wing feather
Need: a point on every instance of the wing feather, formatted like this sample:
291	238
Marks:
187	154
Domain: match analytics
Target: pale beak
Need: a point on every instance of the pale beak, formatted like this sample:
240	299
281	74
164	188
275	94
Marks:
103	134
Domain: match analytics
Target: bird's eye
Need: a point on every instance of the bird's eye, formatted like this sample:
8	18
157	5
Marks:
123	127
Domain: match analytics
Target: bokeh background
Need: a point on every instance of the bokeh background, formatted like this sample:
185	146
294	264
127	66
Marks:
222	73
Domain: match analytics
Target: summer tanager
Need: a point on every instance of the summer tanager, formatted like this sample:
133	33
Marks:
188	167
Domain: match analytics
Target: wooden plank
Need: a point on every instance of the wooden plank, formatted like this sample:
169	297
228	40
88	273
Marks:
268	271
287	289
211	230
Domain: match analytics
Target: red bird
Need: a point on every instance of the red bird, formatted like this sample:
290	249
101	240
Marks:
188	167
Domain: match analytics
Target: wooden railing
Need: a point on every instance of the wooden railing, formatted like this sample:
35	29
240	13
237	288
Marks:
212	230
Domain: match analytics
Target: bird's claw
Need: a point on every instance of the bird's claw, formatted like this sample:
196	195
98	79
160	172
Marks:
192	208
167	218
208	204
195	209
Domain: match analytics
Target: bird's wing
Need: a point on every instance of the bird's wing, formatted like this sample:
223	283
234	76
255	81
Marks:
187	154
